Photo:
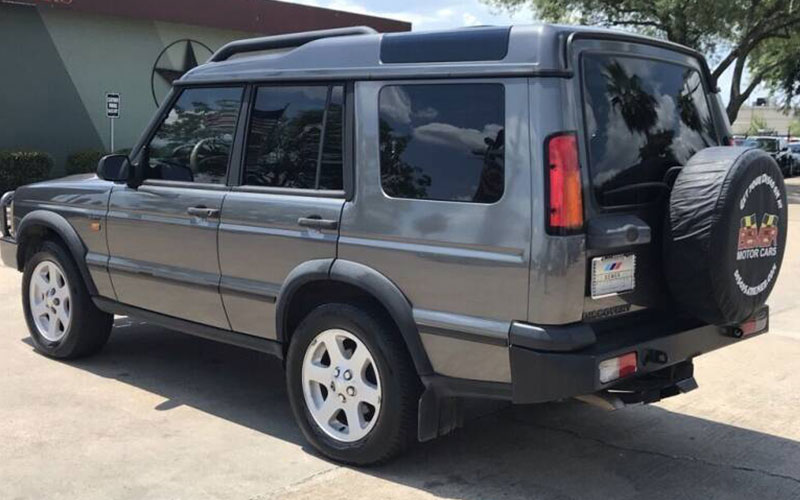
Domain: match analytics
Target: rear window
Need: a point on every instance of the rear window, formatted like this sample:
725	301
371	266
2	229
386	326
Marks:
642	118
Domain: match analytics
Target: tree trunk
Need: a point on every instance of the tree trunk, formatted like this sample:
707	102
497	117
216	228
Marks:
733	109
738	98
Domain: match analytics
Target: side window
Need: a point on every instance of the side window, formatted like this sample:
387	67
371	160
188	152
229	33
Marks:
193	143
295	138
443	142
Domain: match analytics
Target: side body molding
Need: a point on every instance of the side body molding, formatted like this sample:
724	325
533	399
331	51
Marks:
367	279
59	225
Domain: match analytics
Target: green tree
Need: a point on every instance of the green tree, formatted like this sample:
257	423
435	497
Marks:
794	127
760	35
758	125
398	178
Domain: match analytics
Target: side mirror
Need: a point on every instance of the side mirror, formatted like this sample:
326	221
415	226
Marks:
114	168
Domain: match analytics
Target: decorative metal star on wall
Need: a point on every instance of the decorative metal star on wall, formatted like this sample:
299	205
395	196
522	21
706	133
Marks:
164	69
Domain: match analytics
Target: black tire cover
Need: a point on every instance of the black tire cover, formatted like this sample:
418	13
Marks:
725	233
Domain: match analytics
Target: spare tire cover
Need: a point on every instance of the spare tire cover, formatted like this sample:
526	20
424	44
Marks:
725	233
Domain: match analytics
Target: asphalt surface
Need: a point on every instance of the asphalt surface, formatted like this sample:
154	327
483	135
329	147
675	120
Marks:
161	415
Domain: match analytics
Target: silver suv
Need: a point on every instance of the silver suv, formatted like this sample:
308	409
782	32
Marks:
523	213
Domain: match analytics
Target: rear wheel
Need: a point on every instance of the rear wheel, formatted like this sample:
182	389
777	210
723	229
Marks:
62	320
352	385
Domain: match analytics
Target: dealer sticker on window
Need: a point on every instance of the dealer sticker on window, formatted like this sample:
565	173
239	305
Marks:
613	274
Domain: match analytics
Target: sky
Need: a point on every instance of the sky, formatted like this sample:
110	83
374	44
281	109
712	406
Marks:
427	14
442	14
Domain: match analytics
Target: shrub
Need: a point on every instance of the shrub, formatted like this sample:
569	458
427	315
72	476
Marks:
18	168
83	162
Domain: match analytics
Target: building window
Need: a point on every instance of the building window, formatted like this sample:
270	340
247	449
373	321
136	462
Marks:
193	143
296	138
443	142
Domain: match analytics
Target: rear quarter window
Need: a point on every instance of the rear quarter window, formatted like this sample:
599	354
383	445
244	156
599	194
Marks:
443	142
643	117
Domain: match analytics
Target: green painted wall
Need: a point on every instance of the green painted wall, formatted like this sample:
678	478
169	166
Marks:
40	107
58	65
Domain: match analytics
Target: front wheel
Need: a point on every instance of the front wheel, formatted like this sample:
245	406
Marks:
63	321
352	385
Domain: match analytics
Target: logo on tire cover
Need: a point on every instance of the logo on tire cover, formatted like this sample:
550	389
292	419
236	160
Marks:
758	241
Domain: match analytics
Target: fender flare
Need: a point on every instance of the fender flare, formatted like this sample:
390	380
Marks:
370	281
60	226
312	270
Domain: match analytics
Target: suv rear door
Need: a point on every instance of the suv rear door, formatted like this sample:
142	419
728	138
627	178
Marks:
284	207
644	111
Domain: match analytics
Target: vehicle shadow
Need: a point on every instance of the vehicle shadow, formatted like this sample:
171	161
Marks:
559	450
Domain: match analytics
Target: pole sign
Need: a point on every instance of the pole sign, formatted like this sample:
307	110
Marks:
112	105
112	112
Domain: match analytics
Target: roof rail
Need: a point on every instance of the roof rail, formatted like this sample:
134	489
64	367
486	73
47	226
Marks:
284	41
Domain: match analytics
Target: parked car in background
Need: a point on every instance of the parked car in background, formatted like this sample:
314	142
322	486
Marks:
525	213
794	150
777	148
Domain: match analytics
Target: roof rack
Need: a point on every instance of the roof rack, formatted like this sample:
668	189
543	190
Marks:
284	41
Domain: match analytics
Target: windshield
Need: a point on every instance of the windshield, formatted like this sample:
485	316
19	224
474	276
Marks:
643	117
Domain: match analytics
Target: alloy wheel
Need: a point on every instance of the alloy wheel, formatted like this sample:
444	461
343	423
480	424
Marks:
341	385
50	301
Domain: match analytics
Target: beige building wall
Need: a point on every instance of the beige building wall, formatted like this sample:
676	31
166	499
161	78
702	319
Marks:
775	118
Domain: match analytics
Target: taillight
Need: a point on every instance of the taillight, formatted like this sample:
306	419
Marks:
616	368
564	193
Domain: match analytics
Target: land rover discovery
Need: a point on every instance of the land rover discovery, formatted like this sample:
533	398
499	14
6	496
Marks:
525	213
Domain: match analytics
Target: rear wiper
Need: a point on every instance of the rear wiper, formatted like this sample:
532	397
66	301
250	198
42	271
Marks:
639	185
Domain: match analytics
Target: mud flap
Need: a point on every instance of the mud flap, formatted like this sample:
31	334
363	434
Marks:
437	415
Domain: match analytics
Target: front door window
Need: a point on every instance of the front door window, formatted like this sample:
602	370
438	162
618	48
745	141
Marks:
193	143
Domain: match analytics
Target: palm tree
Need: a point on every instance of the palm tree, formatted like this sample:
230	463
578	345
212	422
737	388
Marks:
637	107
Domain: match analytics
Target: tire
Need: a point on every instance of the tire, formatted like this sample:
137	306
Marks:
85	329
725	234
389	426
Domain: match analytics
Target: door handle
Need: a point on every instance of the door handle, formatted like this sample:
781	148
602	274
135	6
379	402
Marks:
317	222
203	212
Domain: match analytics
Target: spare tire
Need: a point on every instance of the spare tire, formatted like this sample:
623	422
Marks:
725	233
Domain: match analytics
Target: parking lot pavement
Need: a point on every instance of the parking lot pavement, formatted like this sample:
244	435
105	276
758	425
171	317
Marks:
161	415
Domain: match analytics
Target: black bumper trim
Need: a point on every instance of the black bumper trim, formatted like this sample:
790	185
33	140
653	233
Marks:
539	376
558	338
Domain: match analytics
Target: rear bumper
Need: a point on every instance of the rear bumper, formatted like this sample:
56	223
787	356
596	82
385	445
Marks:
8	251
540	375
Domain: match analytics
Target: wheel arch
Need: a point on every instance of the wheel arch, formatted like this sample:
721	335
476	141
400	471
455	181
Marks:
42	224
351	275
